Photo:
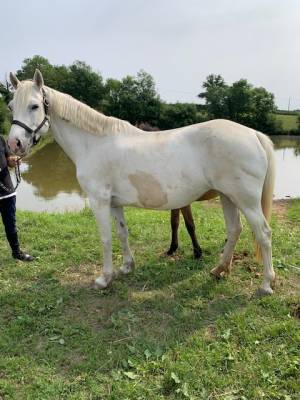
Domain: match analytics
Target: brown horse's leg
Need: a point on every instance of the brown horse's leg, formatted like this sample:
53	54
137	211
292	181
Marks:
190	226
174	226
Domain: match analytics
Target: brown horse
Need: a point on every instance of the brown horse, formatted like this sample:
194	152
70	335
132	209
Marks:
189	223
186	211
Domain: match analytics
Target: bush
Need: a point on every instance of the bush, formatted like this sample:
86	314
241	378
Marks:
4	118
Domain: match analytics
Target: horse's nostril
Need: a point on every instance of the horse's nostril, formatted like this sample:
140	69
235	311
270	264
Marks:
18	143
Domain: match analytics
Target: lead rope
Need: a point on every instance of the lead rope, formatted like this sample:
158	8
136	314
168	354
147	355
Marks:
18	179
18	174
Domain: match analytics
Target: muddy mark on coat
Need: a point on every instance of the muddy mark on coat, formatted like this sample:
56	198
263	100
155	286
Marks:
150	192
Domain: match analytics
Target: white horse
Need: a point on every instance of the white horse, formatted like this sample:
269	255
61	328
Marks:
119	165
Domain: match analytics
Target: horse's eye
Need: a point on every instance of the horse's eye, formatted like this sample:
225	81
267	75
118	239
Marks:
35	107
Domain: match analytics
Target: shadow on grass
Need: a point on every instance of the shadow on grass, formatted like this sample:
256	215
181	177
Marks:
72	329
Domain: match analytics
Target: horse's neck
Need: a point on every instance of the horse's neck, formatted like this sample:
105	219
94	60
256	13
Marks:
76	141
70	139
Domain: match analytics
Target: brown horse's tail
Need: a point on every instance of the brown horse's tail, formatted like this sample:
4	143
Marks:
268	188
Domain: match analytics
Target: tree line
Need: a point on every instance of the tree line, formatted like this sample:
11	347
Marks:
135	98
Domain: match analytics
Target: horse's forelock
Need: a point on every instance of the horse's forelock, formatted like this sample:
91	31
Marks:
23	93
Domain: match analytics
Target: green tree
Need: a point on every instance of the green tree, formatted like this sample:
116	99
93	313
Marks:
5	92
215	96
240	102
111	103
78	80
177	115
29	66
133	98
4	117
263	104
81	82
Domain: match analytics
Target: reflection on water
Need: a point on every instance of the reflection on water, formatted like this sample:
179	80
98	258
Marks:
287	167
50	172
49	182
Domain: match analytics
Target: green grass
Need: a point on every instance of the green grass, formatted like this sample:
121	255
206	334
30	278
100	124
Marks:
169	331
289	122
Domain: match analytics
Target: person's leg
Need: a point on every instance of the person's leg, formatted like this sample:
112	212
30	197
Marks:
8	213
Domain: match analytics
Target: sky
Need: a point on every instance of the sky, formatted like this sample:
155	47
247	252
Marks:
179	42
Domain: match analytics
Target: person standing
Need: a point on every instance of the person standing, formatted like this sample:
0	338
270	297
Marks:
8	202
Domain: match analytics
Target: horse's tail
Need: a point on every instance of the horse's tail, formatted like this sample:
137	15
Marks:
268	188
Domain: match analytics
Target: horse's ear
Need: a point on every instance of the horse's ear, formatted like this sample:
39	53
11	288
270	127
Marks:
14	80
38	79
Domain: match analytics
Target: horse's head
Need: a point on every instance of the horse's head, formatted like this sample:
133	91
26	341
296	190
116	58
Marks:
29	107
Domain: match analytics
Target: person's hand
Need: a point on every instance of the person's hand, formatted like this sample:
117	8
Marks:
12	161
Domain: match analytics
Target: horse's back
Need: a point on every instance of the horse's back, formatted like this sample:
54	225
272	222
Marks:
232	156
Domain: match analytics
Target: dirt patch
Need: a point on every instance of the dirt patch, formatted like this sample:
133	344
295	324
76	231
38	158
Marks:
80	276
295	310
280	208
210	333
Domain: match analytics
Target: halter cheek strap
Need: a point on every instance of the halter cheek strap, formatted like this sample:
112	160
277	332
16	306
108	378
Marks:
31	131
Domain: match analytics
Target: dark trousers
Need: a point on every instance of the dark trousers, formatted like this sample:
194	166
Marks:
8	214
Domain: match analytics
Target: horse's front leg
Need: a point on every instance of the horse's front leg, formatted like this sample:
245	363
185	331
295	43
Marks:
128	261
102	210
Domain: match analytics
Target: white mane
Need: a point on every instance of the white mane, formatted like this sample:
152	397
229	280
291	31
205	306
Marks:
83	116
75	112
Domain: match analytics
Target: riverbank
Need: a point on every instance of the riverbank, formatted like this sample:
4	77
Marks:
167	331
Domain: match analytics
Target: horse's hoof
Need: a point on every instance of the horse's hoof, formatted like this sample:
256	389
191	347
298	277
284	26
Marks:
197	254
102	282
171	251
127	268
262	292
215	272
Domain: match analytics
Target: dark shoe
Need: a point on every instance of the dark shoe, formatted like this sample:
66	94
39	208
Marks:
20	255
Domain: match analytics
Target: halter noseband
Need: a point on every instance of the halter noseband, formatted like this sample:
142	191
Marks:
31	131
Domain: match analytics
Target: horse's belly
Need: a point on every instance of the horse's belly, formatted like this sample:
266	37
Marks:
145	191
161	183
183	192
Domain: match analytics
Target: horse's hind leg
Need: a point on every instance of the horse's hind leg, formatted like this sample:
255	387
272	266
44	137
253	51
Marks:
190	226
233	228
174	225
128	262
262	232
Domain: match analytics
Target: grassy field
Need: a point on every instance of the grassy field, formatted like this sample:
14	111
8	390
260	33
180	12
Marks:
169	331
289	122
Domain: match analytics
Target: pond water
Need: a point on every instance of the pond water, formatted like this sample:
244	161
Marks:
49	182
